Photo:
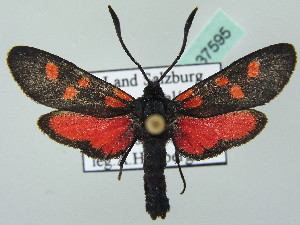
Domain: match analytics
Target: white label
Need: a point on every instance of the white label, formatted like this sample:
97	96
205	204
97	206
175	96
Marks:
132	81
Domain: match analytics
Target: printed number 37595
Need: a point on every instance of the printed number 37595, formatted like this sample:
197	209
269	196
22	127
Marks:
213	45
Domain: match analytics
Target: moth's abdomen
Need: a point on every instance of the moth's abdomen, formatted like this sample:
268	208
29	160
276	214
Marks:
157	202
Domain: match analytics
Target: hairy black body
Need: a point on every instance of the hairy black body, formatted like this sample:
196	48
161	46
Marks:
154	102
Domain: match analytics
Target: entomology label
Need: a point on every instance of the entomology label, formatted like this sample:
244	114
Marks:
132	81
214	41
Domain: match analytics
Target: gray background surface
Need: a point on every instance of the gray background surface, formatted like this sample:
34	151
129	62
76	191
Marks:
42	182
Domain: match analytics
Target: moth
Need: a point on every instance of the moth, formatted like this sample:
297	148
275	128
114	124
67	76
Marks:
104	122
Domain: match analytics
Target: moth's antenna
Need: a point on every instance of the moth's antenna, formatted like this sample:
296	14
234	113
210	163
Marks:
118	31
187	27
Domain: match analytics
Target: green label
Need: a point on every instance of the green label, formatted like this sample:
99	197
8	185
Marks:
214	41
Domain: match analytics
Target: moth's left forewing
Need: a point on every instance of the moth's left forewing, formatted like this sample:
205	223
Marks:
58	83
248	82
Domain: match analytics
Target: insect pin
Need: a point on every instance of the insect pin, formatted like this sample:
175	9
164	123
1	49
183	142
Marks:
104	122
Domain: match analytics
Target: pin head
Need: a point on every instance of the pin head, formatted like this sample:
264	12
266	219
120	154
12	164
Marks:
155	124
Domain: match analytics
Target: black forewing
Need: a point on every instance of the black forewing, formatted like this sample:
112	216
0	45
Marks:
210	98
28	64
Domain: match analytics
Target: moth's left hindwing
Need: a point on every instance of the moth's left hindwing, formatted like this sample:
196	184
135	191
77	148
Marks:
94	115
99	138
57	83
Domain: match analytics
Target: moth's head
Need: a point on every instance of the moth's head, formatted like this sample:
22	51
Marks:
153	89
186	31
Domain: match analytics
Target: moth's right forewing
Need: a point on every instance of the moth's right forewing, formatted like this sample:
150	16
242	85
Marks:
248	82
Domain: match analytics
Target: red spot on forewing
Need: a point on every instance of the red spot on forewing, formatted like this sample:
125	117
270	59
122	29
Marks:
221	81
70	93
84	82
108	135
110	101
192	103
122	95
195	135
236	92
253	69
51	70
184	95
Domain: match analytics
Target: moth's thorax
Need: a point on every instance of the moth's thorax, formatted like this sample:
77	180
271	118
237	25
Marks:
156	112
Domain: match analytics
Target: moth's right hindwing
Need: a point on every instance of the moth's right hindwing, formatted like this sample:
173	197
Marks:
214	114
57	83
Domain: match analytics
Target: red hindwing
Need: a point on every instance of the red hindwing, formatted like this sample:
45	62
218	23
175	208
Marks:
207	137
101	138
